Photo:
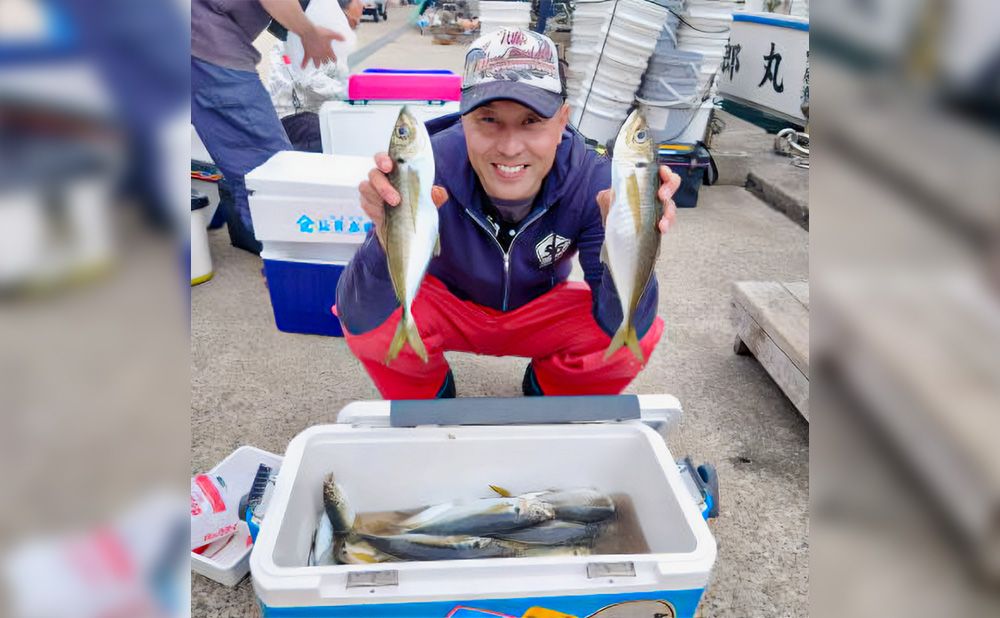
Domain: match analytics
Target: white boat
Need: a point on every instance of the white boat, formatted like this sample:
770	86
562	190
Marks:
766	64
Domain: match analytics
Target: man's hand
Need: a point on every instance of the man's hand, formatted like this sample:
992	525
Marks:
669	183
378	191
316	46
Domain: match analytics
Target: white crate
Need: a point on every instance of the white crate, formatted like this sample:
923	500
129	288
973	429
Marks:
230	565
363	130
306	206
385	468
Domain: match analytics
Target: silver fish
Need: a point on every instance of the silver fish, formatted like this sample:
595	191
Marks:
435	547
582	505
411	227
338	509
480	517
355	550
322	553
554	533
632	233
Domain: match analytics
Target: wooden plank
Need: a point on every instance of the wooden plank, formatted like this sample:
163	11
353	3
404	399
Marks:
792	381
800	290
780	314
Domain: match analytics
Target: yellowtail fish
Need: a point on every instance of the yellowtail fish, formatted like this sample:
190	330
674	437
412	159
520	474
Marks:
553	532
632	233
354	550
434	547
337	508
479	517
410	234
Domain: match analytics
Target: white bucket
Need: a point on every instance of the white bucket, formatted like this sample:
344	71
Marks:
599	125
201	255
667	121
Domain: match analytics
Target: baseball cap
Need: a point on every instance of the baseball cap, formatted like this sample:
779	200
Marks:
516	65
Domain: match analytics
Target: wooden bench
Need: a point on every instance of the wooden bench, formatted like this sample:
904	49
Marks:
772	323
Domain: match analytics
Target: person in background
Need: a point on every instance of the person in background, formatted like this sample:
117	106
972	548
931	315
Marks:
230	108
298	95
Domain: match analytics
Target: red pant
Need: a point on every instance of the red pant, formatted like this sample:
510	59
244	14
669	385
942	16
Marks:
557	331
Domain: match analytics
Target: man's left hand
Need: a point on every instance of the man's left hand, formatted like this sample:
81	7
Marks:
669	183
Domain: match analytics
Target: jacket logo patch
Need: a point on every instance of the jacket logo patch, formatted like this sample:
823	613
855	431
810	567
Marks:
550	249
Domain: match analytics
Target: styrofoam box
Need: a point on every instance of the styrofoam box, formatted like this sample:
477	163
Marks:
363	130
230	565
384	468
305	197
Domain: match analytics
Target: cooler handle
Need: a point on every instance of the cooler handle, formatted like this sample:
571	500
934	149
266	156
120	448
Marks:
504	411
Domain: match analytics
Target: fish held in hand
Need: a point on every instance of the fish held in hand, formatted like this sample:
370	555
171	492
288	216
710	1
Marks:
631	232
410	229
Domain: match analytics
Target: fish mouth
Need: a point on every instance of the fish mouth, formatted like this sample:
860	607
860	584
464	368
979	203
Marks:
510	172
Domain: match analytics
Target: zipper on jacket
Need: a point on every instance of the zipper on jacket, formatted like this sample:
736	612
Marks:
506	254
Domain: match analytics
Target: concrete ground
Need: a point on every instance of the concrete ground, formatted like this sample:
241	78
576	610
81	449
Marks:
252	384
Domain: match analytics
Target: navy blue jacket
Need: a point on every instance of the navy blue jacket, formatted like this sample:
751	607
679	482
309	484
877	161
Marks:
564	221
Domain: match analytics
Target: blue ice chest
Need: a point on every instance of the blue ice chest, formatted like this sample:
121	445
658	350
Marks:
303	295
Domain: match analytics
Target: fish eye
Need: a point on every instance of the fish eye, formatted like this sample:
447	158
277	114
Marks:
640	136
403	132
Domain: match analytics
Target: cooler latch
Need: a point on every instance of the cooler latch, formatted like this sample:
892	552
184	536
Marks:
596	570
372	579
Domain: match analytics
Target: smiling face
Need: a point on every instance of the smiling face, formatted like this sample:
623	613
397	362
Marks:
512	148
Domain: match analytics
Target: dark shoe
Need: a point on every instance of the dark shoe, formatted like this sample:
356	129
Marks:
529	386
447	390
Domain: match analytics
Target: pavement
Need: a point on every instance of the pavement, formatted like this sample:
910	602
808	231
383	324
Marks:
744	154
252	384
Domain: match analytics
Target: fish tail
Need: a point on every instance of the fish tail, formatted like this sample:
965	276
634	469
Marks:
397	341
625	337
413	336
406	332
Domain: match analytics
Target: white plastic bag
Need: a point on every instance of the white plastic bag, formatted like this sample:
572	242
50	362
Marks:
328	14
214	513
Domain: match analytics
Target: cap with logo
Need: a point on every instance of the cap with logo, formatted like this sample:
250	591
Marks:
515	65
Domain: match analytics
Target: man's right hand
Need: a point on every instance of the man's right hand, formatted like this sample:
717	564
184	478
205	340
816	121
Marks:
377	191
316	46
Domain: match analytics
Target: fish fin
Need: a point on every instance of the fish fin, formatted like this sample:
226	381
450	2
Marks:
501	491
413	337
397	341
632	341
437	246
626	336
604	254
634	202
414	188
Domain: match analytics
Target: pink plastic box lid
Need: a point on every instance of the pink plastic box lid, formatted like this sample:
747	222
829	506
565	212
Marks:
405	86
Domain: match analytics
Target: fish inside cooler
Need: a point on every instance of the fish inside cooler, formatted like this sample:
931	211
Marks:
549	523
392	476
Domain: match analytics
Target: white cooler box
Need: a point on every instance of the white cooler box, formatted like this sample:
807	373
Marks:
307	214
364	129
384	468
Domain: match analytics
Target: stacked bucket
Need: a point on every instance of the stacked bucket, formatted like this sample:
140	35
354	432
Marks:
705	30
610	47
672	88
503	14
